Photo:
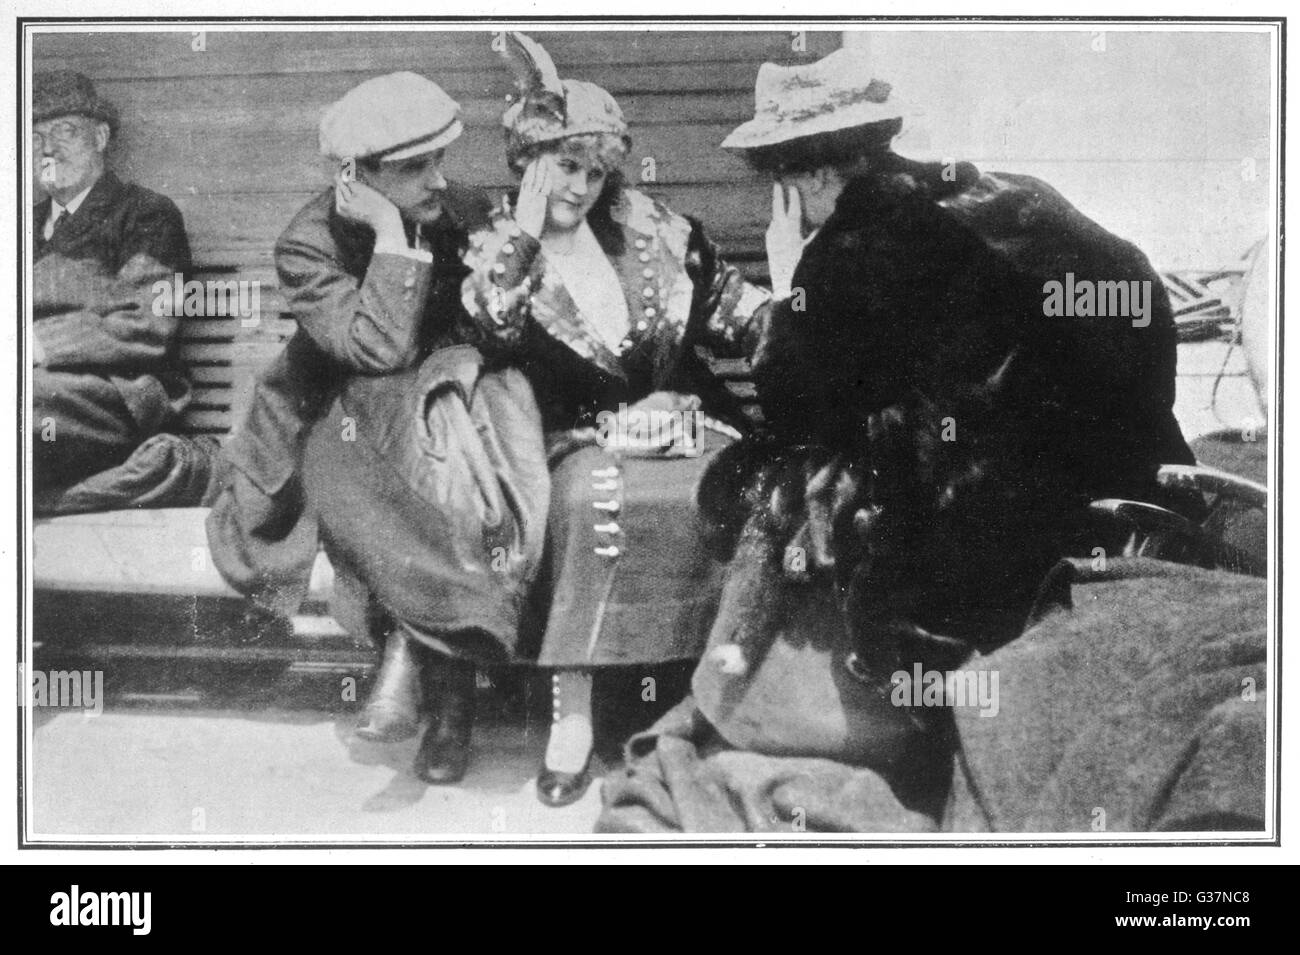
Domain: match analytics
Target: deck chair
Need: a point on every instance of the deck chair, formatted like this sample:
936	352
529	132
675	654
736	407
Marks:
1207	301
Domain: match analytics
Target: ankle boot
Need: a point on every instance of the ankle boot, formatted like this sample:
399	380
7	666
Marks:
393	710
443	756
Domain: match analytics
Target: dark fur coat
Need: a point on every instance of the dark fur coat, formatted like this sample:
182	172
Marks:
935	437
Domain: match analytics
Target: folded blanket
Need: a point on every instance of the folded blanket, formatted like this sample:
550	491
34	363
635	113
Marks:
1142	708
682	777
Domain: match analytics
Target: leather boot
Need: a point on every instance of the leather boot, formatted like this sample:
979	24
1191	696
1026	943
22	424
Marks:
443	756
393	710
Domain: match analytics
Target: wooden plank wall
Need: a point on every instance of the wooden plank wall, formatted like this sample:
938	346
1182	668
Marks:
230	134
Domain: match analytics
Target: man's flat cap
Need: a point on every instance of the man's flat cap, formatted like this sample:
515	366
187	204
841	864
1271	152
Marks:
388	118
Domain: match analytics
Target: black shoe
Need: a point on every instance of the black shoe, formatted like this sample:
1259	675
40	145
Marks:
557	789
393	710
444	752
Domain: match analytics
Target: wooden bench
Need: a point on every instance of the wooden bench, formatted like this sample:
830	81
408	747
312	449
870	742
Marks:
155	564
227	128
150	571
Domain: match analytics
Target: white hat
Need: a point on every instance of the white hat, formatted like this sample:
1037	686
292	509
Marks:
837	92
388	118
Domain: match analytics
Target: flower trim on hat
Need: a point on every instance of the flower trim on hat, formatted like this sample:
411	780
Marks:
877	91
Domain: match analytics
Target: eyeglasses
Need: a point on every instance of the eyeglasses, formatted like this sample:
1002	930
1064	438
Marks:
59	134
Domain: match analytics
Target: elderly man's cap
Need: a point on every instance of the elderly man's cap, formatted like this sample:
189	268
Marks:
389	118
65	93
835	93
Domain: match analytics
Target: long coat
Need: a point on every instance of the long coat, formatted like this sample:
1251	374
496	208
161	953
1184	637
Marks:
630	580
938	432
111	377
359	314
918	348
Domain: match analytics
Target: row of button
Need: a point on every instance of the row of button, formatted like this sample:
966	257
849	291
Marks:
606	479
647	293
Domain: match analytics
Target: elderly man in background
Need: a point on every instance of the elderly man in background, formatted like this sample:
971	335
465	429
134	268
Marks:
105	377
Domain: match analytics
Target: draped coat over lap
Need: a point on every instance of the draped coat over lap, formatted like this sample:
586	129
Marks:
361	377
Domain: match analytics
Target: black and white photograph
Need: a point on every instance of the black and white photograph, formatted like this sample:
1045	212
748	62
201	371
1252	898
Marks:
647	432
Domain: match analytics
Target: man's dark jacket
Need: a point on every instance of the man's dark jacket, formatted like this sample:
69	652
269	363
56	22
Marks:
358	313
114	222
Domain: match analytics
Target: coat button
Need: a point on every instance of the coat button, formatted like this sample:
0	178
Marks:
498	269
410	281
516	232
648	292
649	311
642	325
644	256
508	248
640	243
647	273
624	345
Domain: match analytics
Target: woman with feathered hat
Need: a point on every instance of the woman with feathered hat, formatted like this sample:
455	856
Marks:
601	295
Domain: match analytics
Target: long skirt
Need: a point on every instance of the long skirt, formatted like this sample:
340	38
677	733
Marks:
627	578
432	509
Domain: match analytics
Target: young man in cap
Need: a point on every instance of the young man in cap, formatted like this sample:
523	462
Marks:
105	376
371	271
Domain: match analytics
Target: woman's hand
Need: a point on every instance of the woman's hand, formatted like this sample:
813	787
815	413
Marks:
361	203
535	196
784	238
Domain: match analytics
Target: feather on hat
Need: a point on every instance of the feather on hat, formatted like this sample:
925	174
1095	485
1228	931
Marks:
551	109
537	79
